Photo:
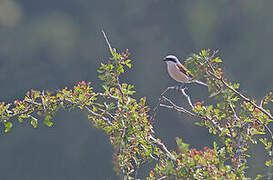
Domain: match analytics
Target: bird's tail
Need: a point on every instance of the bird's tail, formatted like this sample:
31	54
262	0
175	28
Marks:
198	82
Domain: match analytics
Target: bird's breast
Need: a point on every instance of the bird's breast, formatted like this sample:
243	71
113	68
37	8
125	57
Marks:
176	74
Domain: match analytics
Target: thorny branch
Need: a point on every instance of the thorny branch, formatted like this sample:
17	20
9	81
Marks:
235	91
211	71
259	107
193	114
120	89
162	98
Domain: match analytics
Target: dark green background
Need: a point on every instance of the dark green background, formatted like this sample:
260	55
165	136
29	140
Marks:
52	44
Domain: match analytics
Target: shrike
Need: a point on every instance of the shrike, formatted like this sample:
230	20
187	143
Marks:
179	72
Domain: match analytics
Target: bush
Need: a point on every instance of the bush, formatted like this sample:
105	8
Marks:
236	119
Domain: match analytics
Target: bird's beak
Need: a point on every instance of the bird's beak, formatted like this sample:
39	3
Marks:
165	59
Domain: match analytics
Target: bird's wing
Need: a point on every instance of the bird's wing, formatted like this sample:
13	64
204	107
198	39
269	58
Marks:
184	70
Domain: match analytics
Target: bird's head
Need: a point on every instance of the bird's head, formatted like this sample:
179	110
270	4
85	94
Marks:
171	59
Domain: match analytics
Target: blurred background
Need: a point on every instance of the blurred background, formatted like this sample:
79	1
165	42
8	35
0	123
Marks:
52	44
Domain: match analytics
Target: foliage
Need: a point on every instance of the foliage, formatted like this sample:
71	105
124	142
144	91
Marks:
235	118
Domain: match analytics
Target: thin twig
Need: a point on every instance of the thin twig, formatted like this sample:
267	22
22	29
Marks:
188	97
111	49
119	86
234	112
181	109
106	39
106	95
87	108
178	108
22	112
163	177
167	89
163	148
159	101
145	149
199	82
31	102
122	136
108	113
98	115
262	102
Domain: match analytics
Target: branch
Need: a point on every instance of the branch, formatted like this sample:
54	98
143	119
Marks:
162	98
187	96
107	41
178	108
163	148
221	79
245	98
237	92
159	101
122	137
181	109
87	108
233	111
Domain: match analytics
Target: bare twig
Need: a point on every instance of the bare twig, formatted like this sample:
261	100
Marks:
174	106
106	95
163	148
31	102
145	149
181	109
22	112
111	49
199	82
262	102
234	112
163	177
167	89
87	108
160	99
122	136
98	115
106	39
187	96
119	86
164	98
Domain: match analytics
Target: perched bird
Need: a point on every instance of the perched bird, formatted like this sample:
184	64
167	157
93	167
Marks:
179	72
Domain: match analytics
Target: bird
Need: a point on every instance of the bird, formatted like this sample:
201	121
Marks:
179	72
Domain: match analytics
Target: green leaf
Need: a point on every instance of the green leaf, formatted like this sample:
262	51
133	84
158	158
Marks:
182	146
218	60
259	176
8	126
82	97
47	121
269	163
36	94
204	53
215	146
34	122
127	62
